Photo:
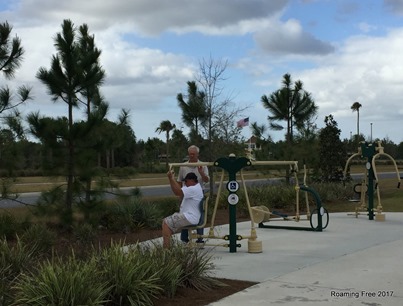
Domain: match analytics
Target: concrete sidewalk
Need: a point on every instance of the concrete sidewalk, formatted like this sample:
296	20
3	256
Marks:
354	261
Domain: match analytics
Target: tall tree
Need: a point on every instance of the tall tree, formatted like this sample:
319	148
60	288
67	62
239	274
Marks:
150	150
194	109
126	148
292	104
11	56
91	97
166	126
178	145
220	110
220	127
72	72
91	93
332	155
356	108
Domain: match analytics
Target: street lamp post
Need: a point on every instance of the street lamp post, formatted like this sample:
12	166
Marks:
371	131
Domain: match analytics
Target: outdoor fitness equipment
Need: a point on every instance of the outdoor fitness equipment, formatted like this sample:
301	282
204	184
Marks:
369	182
232	166
318	219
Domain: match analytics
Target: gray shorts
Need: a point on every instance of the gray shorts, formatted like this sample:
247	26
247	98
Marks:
176	222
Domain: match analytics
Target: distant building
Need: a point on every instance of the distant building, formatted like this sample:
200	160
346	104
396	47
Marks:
250	147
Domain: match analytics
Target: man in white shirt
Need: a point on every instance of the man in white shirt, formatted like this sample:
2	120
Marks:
189	213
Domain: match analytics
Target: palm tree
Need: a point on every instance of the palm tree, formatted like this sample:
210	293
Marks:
194	110
70	74
356	108
258	131
291	104
166	126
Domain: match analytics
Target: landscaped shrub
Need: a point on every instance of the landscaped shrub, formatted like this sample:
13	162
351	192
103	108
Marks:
128	214
179	266
329	192
62	282
167	205
84	233
134	275
143	213
197	268
14	259
8	226
39	237
279	196
130	276
168	271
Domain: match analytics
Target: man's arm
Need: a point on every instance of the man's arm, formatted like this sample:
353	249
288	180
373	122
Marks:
175	186
203	170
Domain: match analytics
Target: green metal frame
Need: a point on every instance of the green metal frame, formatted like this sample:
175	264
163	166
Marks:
368	151
319	208
232	165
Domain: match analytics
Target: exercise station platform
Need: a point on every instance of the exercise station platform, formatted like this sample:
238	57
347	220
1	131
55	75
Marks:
354	261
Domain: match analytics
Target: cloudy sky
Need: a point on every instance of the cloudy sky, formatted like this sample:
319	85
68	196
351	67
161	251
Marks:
342	50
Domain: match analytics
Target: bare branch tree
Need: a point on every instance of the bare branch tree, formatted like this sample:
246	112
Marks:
221	111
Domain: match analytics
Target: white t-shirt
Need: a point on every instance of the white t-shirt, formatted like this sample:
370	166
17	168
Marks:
190	205
184	170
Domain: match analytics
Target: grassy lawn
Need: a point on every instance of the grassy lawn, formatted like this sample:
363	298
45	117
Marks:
38	184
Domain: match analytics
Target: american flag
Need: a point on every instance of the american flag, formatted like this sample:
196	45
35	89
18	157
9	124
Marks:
243	122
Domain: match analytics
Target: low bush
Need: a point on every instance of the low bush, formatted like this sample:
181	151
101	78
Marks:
62	282
129	275
9	226
85	233
39	237
129	214
15	258
180	266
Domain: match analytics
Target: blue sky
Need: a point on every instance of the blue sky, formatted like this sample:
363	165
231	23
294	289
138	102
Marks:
342	50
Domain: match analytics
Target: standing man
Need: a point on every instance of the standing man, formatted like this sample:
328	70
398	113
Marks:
191	194
202	177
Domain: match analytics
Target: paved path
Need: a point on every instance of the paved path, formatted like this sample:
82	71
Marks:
354	261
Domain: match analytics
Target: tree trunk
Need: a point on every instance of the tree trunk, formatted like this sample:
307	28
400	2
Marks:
107	159
70	170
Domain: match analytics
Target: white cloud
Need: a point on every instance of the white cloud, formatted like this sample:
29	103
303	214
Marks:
144	75
151	17
368	70
289	38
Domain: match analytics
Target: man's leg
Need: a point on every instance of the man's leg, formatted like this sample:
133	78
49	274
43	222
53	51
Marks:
185	235
200	231
166	235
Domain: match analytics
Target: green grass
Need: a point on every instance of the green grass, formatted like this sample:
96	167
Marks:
39	184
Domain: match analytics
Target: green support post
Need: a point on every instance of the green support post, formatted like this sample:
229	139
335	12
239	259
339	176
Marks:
232	165
368	151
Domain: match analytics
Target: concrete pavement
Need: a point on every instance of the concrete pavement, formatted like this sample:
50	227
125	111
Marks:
354	261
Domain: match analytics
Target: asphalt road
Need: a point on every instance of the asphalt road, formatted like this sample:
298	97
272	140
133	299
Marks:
159	190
